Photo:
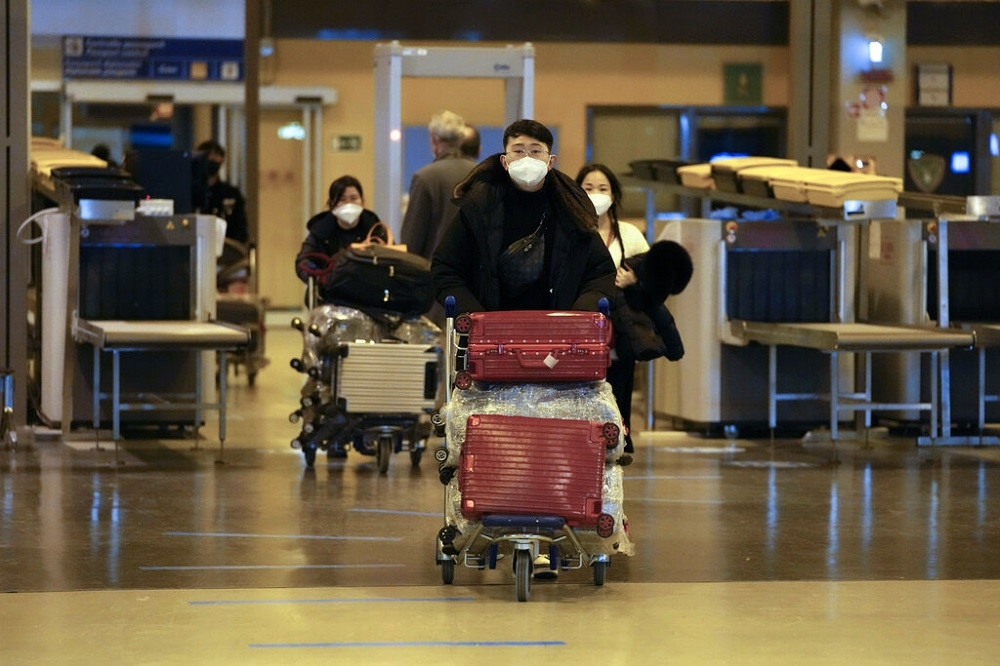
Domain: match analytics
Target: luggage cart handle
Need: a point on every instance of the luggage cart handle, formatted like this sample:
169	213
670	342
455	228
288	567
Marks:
450	311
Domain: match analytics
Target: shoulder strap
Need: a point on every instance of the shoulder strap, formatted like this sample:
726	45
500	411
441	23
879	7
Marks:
372	238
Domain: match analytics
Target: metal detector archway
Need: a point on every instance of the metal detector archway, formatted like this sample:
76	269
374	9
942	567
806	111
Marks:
514	64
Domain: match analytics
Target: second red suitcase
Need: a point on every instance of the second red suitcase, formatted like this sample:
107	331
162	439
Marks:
519	465
534	346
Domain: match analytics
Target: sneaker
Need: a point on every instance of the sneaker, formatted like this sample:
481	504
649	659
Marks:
543	570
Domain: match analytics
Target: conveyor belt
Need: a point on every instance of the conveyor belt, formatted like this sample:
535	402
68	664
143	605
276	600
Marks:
125	335
853	337
116	336
859	338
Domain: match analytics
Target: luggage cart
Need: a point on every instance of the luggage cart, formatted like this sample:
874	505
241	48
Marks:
238	302
371	384
517	486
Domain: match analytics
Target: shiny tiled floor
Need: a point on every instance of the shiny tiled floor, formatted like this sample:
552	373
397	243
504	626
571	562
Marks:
747	551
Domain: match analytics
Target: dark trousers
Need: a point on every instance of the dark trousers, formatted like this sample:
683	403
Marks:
621	376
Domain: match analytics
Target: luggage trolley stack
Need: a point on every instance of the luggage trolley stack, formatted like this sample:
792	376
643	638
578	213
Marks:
372	383
532	440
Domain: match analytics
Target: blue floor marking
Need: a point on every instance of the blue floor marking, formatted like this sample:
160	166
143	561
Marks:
410	644
238	602
249	567
238	535
432	514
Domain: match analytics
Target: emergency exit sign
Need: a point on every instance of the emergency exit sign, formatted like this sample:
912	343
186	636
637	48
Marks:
347	143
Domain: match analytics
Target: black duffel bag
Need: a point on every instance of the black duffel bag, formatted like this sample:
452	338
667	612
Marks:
378	276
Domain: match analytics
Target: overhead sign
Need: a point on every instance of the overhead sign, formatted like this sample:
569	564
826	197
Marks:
127	58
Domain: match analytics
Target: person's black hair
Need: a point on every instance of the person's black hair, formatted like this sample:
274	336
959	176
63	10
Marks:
338	187
529	128
616	187
102	151
210	146
840	164
616	196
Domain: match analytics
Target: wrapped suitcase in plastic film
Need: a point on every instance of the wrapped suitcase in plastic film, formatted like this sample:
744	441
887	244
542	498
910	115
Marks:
519	486
371	384
533	346
542	493
531	466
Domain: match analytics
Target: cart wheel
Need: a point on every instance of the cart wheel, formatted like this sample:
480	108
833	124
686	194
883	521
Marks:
415	456
448	571
611	431
463	380
383	453
463	323
600	570
309	453
522	573
605	525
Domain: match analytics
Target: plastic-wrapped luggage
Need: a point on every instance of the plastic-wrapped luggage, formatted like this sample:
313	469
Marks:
530	467
372	380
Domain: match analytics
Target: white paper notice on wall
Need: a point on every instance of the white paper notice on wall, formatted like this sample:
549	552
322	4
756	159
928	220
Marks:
873	128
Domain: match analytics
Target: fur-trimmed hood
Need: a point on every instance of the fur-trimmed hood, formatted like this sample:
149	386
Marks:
664	270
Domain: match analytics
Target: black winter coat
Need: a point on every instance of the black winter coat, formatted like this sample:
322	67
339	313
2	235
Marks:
465	264
327	237
640	315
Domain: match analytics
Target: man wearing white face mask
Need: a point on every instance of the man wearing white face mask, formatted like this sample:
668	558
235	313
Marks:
525	236
346	221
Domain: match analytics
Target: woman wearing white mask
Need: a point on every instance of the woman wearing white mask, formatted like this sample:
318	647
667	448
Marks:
345	221
525	234
623	241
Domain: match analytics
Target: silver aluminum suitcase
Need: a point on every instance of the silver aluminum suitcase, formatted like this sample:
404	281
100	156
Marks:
387	378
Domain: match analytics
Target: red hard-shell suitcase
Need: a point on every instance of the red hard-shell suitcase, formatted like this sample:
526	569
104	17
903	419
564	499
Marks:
534	346
519	465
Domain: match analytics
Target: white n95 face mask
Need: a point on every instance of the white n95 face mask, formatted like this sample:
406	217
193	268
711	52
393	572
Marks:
528	172
348	214
602	202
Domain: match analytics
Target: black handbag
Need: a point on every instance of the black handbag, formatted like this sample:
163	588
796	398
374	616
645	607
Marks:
522	263
378	276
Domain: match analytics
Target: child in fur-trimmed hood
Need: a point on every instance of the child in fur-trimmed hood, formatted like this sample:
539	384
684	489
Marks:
641	317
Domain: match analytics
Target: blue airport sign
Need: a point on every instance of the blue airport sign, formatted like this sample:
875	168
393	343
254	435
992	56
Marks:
128	58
